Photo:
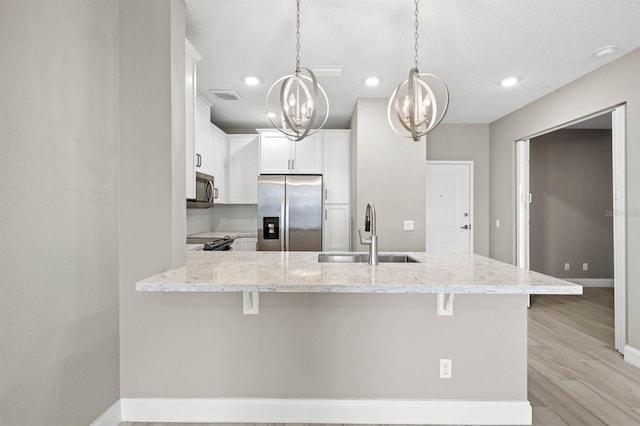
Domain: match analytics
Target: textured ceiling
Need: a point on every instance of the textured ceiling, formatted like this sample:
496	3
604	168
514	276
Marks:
471	44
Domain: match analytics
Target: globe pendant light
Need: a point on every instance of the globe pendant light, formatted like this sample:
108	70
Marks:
301	107
419	103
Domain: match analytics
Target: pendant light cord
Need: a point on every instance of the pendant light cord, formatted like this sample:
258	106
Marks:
415	36
298	37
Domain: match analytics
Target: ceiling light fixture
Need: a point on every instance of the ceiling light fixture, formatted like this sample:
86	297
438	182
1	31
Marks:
509	82
419	103
251	80
604	51
372	81
302	107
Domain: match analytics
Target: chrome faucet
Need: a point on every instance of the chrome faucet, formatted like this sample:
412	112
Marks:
372	241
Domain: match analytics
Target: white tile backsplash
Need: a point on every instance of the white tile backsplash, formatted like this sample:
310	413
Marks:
235	217
223	217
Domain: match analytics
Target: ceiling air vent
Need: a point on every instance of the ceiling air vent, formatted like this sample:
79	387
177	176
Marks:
225	95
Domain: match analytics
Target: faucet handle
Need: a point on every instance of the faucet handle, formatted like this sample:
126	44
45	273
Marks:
362	240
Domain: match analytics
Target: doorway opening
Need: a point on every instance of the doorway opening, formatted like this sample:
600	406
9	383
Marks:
561	248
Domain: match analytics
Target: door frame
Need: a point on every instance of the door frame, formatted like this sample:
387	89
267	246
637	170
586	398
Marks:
618	146
471	198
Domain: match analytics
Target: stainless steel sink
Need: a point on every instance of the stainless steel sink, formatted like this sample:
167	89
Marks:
364	258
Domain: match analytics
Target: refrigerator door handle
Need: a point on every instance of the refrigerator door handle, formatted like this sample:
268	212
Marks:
283	225
286	221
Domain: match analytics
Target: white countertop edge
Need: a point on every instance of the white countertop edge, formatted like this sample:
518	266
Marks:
357	289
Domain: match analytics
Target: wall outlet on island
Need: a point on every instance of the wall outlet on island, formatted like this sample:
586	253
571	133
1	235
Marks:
445	368
567	267
408	225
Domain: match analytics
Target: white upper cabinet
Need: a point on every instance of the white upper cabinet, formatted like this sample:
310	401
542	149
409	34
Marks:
275	153
220	160
191	57
243	169
279	155
336	165
204	143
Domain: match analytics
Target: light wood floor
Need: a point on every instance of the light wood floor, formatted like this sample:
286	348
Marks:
576	378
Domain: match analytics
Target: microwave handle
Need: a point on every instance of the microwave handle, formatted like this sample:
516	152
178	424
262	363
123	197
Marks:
209	191
215	193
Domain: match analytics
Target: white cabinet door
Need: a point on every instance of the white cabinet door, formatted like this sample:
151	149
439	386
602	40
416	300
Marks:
307	155
220	159
204	143
274	153
191	57
279	155
245	244
243	169
248	244
336	165
336	230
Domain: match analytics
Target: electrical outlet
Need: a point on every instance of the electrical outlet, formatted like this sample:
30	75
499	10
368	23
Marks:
585	266
567	267
497	223
408	225
445	368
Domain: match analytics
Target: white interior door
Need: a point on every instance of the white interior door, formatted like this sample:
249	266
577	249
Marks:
449	207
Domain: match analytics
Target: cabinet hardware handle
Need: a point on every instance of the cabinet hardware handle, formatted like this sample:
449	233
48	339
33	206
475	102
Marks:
466	227
326	197
215	193
325	214
293	164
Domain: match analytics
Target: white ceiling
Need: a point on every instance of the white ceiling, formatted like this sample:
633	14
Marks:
471	44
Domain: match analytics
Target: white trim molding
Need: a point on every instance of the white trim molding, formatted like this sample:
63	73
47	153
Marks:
592	282
111	417
362	411
632	355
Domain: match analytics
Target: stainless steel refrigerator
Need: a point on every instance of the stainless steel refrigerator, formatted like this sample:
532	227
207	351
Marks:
289	213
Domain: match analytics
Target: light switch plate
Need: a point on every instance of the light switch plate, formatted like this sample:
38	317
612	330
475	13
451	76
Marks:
408	225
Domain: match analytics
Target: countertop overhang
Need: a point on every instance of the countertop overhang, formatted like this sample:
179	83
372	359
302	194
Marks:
300	272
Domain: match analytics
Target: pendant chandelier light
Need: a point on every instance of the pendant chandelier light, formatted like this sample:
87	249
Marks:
419	103
301	107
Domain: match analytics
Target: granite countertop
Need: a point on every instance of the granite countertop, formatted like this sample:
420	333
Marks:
300	272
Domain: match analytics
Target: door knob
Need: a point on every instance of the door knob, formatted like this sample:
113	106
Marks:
465	227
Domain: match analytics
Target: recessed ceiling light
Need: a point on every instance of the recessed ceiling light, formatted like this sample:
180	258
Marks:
604	51
251	80
372	81
509	81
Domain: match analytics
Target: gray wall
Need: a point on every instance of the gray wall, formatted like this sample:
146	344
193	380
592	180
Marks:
59	211
570	216
610	85
390	171
153	217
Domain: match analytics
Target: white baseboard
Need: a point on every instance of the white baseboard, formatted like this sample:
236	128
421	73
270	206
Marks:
632	355
326	411
592	282
111	417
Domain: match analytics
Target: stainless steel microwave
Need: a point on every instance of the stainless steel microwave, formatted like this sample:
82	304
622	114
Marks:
206	192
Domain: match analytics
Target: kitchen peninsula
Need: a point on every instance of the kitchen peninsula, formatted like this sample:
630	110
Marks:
346	342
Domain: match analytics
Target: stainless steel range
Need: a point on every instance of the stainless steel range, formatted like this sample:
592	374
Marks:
213	244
